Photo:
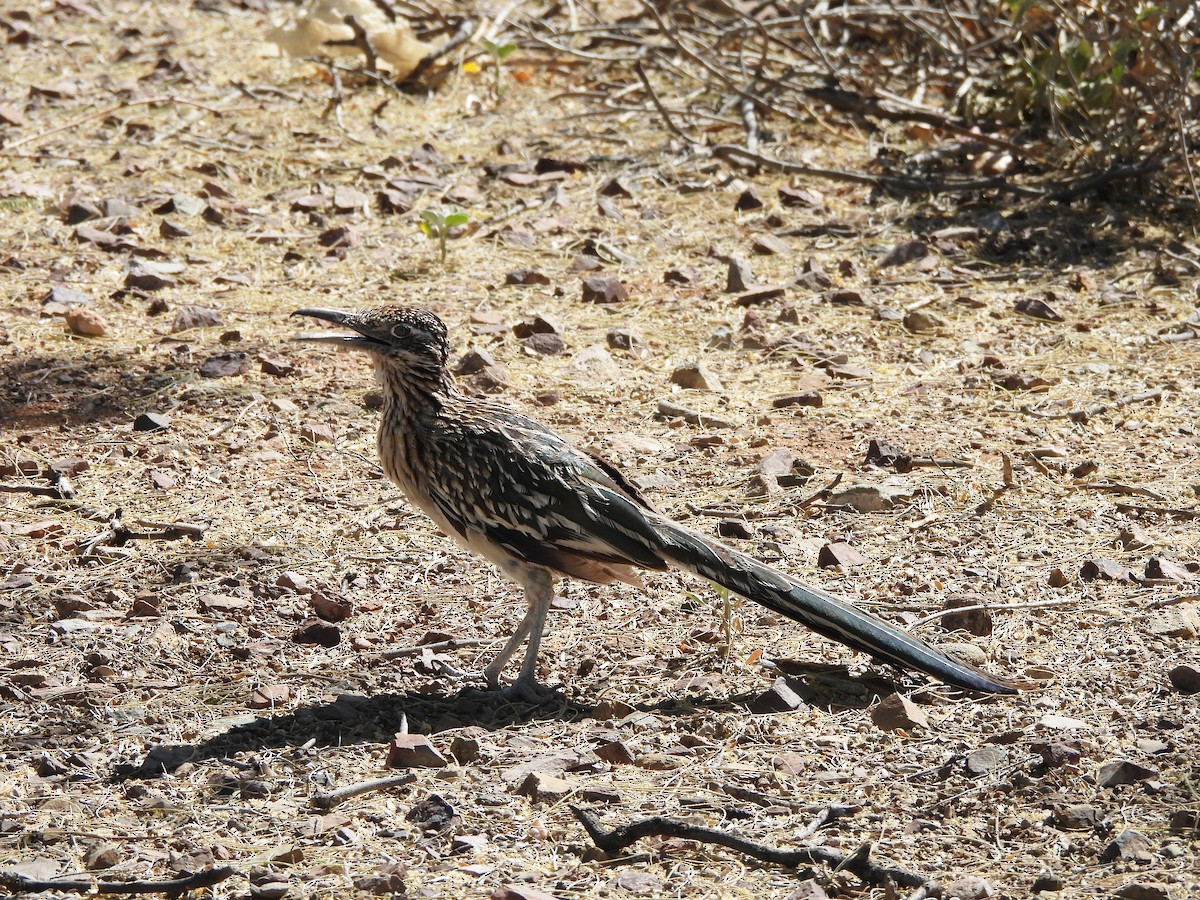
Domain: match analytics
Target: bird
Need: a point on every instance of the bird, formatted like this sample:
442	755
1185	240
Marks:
511	490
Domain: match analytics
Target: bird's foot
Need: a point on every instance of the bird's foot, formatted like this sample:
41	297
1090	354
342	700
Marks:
530	691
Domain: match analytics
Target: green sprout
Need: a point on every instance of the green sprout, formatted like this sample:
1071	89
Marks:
731	622
437	223
498	52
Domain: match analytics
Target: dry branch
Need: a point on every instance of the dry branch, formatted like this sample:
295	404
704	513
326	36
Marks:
857	863
19	884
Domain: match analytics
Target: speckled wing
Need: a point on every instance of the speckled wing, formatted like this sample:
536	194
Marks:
509	479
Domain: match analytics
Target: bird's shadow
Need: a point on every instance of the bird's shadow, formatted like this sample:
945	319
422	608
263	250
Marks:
373	720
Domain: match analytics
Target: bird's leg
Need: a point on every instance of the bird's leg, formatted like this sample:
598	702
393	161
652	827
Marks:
539	591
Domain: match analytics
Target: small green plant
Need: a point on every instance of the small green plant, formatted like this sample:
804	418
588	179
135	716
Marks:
437	223
731	621
498	52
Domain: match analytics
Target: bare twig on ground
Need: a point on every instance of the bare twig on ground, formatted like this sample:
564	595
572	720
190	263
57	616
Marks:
857	863
21	885
436	647
330	799
118	534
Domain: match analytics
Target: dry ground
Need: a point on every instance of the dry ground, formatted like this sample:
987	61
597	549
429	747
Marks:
121	662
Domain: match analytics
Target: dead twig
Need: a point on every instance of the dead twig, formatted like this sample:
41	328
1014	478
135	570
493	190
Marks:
330	799
117	534
658	104
857	863
19	884
436	647
1177	512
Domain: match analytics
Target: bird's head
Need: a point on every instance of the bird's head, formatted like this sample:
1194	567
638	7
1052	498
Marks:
403	340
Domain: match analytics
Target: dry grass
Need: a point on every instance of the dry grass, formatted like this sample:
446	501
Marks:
79	710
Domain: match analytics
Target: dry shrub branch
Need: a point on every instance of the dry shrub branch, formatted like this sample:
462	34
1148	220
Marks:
1032	99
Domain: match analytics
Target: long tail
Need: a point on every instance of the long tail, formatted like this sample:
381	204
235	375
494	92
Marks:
815	608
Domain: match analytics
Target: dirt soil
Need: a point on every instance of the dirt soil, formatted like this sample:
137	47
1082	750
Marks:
174	703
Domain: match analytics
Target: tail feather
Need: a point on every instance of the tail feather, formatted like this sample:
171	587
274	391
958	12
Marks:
816	609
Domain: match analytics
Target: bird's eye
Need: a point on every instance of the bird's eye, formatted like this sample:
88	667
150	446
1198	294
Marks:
401	332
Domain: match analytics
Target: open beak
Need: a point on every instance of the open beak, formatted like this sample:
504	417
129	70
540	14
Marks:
361	339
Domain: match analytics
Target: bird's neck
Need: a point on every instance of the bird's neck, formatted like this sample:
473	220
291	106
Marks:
416	394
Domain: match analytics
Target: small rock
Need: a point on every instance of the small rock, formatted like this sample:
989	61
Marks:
661	762
1123	772
896	712
869	498
389	882
223	365
641	884
464	749
183	204
189	317
734	528
791	763
760	294
314	631
151	422
841	554
144	277
162	481
341	236
525	276
794	196
473	361
603	289
268	696
330	609
1057	753
1129	845
85	322
432	815
747	201
214	603
545	344
101	856
347	199
293	581
973	621
688	275
808	890
542	787
798	398
1185	678
1134	537
769	245
407	751
277	367
921	322
317	432
1037	309
697	376
968	887
1161	568
629	341
520	892
468	843
1143	890
739	277
778	698
616	752
1104	570
984	760
536	325
1051	883
1177	622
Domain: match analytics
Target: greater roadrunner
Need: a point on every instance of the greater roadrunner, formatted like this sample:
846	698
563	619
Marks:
523	498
